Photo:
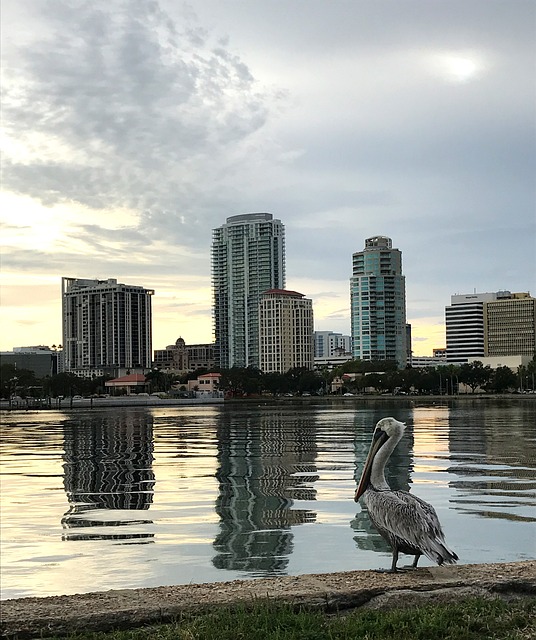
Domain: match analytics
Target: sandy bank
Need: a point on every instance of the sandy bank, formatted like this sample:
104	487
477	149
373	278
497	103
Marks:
36	617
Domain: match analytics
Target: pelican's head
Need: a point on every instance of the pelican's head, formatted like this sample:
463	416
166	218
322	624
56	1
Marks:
386	429
393	428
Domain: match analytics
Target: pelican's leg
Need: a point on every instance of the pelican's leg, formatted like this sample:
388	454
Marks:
413	565
395	560
393	568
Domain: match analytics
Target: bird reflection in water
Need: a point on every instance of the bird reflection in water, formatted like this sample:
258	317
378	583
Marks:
108	478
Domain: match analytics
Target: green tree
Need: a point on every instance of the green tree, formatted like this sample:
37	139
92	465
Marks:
239	381
503	379
531	373
275	383
411	378
428	380
159	381
98	384
365	366
475	374
309	382
15	381
391	380
69	384
293	377
327	376
375	380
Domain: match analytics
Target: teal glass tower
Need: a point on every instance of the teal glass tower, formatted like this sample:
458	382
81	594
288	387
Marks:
248	258
378	302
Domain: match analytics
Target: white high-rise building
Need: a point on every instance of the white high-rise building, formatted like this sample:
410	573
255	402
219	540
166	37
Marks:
329	344
464	323
107	327
378	302
248	258
285	331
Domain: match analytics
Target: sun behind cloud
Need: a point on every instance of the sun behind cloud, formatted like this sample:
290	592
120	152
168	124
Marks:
459	67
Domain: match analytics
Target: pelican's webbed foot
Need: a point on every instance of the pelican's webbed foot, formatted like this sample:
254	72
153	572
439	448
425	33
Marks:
391	570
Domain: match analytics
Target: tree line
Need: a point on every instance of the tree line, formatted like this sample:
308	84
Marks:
355	376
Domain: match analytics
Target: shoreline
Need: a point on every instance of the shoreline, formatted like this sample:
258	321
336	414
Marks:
129	401
34	617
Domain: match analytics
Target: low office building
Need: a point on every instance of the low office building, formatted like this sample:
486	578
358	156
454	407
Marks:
41	360
181	358
428	361
512	362
332	363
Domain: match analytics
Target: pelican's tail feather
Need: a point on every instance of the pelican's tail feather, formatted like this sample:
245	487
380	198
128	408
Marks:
441	554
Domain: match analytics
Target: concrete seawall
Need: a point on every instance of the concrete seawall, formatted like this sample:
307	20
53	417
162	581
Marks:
128	608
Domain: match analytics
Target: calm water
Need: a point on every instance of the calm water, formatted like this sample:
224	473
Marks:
125	498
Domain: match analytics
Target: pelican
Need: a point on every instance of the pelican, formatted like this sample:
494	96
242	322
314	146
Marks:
410	525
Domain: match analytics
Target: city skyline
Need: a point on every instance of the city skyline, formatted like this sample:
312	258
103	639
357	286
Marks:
131	132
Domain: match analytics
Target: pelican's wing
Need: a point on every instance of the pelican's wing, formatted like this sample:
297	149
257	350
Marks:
414	521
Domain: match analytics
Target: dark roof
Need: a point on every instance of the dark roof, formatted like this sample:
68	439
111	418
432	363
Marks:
284	292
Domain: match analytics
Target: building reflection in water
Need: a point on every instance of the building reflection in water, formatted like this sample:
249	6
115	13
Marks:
265	464
493	455
398	474
108	477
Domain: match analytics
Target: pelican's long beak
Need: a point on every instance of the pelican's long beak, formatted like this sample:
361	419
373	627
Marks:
378	440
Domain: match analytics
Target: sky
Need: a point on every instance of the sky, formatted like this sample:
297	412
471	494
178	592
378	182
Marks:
132	128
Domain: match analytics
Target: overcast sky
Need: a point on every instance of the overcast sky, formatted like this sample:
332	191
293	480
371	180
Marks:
132	128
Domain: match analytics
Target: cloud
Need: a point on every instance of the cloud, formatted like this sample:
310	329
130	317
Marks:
117	106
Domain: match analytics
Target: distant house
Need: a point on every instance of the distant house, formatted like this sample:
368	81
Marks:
133	383
205	384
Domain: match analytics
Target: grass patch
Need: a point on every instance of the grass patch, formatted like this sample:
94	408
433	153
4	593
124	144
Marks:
473	619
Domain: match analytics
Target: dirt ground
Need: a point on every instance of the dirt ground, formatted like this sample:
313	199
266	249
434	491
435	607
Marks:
35	617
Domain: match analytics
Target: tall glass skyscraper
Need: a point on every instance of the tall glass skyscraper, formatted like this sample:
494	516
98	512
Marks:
378	302
248	258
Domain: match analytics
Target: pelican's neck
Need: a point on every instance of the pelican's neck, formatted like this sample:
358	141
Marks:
377	474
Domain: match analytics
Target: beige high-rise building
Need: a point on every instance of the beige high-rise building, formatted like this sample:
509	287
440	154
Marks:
286	331
510	325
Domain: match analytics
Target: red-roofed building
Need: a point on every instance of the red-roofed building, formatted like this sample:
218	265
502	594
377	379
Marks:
284	292
133	382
